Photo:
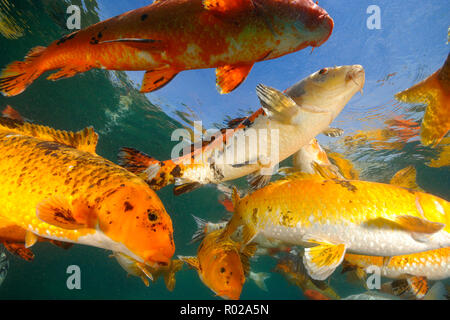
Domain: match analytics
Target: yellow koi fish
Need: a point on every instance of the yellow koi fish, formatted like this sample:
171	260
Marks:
55	186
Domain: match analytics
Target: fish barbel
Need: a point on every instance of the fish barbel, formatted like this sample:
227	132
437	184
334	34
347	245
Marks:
55	186
331	217
171	36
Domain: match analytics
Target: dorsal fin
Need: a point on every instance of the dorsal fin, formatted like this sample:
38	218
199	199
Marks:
84	140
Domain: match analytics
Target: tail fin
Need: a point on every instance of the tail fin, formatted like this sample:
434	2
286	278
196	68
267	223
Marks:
9	112
201	229
259	278
17	76
156	173
169	276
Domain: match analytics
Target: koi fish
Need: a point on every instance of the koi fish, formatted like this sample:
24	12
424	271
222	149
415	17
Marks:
437	292
292	268
4	266
171	36
412	270
56	187
14	238
435	93
145	272
222	265
332	217
285	124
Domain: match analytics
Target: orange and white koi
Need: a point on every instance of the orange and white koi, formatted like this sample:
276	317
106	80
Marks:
286	123
55	186
171	36
435	92
331	217
222	265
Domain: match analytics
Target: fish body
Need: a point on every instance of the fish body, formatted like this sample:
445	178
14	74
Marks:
222	265
171	36
256	144
332	217
435	92
4	267
54	186
433	264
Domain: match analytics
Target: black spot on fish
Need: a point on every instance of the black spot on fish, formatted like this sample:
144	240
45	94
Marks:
159	80
99	36
346	184
128	206
152	216
49	146
222	270
144	17
255	215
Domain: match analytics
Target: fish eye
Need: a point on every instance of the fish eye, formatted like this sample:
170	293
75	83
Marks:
323	71
152	216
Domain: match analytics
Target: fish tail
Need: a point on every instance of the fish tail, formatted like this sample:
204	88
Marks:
157	174
201	229
17	76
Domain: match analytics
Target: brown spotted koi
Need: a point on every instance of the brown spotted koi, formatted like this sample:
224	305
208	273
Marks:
56	187
170	36
256	144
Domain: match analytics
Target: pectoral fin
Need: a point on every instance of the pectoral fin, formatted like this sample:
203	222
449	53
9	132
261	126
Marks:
191	261
245	255
59	212
228	7
323	259
257	180
419	225
276	104
144	269
229	77
156	79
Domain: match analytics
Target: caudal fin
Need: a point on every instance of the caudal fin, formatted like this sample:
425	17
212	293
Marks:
17	76
201	229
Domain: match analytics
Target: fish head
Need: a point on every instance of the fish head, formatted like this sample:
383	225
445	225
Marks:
312	152
222	269
329	89
300	21
135	217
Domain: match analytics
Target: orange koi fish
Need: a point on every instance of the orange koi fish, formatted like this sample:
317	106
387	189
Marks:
55	186
287	121
435	92
171	36
222	265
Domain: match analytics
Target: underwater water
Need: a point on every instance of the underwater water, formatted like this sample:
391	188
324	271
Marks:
410	46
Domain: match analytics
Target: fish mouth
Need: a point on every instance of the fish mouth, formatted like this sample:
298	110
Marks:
357	76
